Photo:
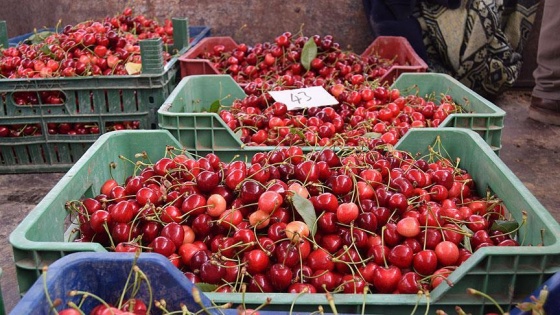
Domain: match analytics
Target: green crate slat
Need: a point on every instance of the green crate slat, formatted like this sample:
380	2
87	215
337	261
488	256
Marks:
100	99
508	274
185	112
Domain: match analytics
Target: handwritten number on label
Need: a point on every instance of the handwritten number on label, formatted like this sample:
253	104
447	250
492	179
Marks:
299	97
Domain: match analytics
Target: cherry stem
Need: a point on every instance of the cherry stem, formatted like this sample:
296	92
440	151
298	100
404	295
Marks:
427	303
484	295
330	299
383	243
305	290
88	294
45	288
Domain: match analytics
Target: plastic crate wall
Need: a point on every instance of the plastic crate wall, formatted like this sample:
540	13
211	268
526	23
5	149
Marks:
93	100
394	48
185	112
508	274
105	275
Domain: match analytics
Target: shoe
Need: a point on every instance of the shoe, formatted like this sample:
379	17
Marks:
545	110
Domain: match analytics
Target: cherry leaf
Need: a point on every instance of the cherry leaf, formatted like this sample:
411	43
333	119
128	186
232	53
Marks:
298	132
308	53
133	68
504	226
214	107
206	287
305	208
39	37
467	239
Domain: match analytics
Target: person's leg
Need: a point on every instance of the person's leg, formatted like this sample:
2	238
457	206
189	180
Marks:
545	103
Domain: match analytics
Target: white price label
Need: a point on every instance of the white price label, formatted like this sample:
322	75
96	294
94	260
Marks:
314	96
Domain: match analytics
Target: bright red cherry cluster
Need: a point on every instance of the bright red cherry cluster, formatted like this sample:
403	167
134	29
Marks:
289	221
283	56
361	115
100	47
71	129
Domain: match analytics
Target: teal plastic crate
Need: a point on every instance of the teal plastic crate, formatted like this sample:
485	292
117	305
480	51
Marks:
95	99
186	114
395	48
508	274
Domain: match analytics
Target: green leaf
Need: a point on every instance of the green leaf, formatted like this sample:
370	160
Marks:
298	132
39	37
504	226
214	107
467	239
206	287
45	50
372	135
305	208
308	53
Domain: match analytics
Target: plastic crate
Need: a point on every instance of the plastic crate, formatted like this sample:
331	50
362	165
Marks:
185	112
196	34
394	48
552	304
105	275
191	65
508	274
99	100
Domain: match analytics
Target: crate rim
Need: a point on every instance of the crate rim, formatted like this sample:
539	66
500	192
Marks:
18	235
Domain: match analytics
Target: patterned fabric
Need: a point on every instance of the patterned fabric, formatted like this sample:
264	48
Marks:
480	43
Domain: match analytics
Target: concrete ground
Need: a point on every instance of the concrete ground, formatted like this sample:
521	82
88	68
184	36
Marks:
530	149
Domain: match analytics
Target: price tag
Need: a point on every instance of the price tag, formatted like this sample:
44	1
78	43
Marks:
314	96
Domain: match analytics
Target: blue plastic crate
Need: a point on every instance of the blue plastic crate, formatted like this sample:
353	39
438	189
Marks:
105	275
552	304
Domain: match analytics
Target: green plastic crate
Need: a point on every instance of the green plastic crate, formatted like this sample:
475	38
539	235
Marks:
481	116
99	99
508	274
185	112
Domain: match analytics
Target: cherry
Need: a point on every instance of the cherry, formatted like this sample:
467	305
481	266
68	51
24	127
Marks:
260	283
174	232
212	272
250	191
408	227
409	283
270	201
447	253
386	279
401	256
163	245
257	261
325	280
207	180
280	276
347	212
320	259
